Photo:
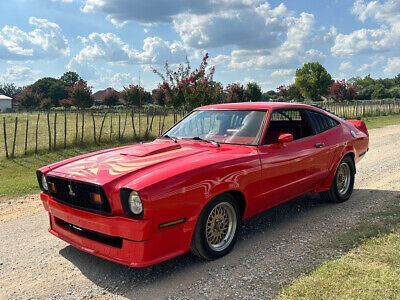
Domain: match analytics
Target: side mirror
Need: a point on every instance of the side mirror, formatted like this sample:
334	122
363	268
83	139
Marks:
285	138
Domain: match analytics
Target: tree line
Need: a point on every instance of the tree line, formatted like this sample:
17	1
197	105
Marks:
184	88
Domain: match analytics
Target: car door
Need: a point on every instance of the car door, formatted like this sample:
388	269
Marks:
289	169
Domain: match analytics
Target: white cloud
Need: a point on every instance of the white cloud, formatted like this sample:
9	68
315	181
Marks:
393	66
45	41
20	74
366	40
282	72
345	65
109	48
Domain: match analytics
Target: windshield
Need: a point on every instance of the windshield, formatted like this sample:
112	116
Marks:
222	126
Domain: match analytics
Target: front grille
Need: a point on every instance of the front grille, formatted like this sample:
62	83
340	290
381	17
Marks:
79	194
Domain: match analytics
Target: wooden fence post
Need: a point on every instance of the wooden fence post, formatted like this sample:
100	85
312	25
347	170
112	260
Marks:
48	126
26	133
123	130
76	129
5	136
119	126
55	132
83	125
15	137
111	127
36	133
65	129
101	127
133	123
94	129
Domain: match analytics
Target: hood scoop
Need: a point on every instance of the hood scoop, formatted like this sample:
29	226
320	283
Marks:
149	149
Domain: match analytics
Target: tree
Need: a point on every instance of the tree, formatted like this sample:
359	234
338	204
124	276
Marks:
46	103
235	93
290	92
253	92
67	102
158	96
341	90
270	95
134	95
313	80
57	91
395	92
81	95
43	85
9	89
111	97
380	92
28	98
71	78
190	89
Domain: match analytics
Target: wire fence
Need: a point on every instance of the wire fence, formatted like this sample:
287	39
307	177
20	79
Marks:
25	133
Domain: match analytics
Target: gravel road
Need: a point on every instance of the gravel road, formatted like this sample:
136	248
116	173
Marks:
273	248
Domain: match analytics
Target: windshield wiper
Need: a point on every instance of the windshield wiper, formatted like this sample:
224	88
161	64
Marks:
197	138
169	137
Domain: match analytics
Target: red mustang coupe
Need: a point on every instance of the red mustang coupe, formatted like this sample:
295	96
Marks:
191	188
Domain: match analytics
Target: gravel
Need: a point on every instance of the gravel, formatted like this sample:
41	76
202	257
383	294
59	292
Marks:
274	247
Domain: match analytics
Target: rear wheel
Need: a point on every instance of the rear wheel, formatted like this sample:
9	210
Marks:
343	182
217	228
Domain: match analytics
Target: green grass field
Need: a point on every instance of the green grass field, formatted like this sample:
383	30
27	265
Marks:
370	271
113	128
17	176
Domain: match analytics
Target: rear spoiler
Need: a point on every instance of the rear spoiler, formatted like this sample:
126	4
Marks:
360	125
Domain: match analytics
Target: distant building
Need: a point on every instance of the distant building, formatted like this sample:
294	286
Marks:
98	96
5	103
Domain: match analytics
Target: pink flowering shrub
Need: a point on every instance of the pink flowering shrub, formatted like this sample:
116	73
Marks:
235	92
341	90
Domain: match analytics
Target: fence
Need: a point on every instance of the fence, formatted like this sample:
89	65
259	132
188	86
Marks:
33	132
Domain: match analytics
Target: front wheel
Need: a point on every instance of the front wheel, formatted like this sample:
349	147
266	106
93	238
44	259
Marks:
217	228
343	182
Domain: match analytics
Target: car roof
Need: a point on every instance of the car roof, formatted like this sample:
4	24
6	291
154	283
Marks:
255	105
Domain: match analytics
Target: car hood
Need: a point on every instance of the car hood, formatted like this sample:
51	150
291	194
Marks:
113	165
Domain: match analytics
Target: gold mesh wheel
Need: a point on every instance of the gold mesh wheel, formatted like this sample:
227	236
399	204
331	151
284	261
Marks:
221	226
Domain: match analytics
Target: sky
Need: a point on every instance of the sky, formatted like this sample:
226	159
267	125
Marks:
117	42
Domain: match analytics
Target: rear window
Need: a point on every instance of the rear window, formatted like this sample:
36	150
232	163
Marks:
321	122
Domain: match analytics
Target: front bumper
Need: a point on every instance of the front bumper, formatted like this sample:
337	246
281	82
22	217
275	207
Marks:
133	242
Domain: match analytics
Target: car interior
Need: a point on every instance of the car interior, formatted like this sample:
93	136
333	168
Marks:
291	121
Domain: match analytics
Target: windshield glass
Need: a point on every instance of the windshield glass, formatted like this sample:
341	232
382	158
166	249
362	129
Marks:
222	126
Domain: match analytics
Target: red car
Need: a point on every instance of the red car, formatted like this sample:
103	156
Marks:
190	189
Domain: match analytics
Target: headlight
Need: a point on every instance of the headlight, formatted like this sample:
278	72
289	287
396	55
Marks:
44	183
135	203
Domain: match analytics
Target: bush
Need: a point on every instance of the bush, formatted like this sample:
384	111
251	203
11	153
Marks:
290	92
28	98
234	93
341	90
134	95
111	98
81	95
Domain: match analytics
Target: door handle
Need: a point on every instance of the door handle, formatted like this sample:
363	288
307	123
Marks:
319	145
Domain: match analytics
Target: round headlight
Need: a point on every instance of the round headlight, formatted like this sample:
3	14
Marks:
135	203
44	183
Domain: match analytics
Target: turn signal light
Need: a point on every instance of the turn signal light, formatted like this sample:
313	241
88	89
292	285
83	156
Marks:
96	198
52	187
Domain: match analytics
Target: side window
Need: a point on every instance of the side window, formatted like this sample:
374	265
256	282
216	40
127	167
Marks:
321	122
293	121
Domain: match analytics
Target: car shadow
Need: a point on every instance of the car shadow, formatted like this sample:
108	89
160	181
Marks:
123	280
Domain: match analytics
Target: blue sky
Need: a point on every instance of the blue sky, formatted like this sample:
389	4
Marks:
110	42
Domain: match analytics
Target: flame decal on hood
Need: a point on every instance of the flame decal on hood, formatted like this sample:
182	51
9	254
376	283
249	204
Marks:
116	164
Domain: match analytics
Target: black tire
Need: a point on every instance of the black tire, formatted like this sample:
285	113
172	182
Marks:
201	245
338	193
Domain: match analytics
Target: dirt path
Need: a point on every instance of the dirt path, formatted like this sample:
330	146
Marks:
273	247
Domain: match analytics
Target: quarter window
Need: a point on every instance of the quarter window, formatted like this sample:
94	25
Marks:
321	122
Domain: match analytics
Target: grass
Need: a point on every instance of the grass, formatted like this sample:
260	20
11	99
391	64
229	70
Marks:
370	271
113	124
381	121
